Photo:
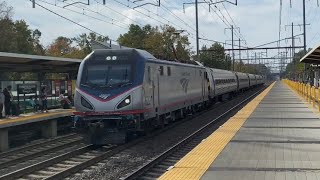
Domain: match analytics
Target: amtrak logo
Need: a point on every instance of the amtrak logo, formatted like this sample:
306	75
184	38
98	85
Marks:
104	96
184	83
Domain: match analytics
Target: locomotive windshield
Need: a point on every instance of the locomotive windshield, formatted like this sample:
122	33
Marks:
109	76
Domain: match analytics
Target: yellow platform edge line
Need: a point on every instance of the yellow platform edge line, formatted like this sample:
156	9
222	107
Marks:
197	161
20	119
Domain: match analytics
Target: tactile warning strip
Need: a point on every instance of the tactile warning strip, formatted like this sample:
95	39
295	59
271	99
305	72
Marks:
197	161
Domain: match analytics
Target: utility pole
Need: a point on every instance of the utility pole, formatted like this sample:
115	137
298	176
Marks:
197	27
197	18
293	47
240	54
304	27
294	63
232	48
232	44
304	36
255	61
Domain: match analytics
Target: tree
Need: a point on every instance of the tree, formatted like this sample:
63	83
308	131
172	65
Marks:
174	41
134	37
161	41
84	41
7	36
215	57
60	47
16	37
295	68
23	37
5	11
38	48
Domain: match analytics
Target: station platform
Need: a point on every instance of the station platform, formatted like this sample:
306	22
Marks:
35	117
275	136
47	122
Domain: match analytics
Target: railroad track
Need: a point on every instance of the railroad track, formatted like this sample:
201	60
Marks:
165	161
84	158
64	165
20	157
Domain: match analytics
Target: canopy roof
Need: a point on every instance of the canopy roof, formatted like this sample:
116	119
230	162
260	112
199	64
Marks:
312	57
13	62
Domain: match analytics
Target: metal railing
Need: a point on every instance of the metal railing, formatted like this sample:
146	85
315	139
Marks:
308	92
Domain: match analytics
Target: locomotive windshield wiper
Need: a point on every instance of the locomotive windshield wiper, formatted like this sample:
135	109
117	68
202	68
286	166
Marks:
106	86
125	84
87	85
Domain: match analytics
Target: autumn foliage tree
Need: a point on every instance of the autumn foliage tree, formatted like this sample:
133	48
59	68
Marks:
161	41
62	47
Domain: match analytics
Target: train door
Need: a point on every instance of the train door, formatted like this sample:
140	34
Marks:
148	89
237	81
202	84
206	90
213	84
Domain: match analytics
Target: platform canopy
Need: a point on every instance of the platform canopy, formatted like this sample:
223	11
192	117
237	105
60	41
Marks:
13	62
312	57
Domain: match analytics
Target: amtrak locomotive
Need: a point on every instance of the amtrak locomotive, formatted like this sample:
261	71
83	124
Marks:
126	91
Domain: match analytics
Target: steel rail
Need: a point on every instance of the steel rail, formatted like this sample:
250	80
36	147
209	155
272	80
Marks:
145	168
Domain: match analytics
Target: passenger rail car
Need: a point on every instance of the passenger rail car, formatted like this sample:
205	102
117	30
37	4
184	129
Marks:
260	79
224	81
125	91
253	80
243	81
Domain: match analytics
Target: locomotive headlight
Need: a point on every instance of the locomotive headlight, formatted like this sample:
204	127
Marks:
125	102
86	104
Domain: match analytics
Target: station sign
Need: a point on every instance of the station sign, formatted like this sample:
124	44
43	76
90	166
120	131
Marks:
27	88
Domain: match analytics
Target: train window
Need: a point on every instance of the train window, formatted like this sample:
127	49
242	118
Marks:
161	70
169	71
200	72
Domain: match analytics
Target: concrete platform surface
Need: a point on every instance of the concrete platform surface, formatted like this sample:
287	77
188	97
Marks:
279	140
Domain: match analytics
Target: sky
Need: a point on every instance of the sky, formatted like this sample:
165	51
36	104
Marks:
257	20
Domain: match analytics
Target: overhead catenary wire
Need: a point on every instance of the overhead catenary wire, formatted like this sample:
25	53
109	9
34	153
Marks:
186	17
222	17
241	36
160	17
118	13
84	7
111	23
185	23
72	21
